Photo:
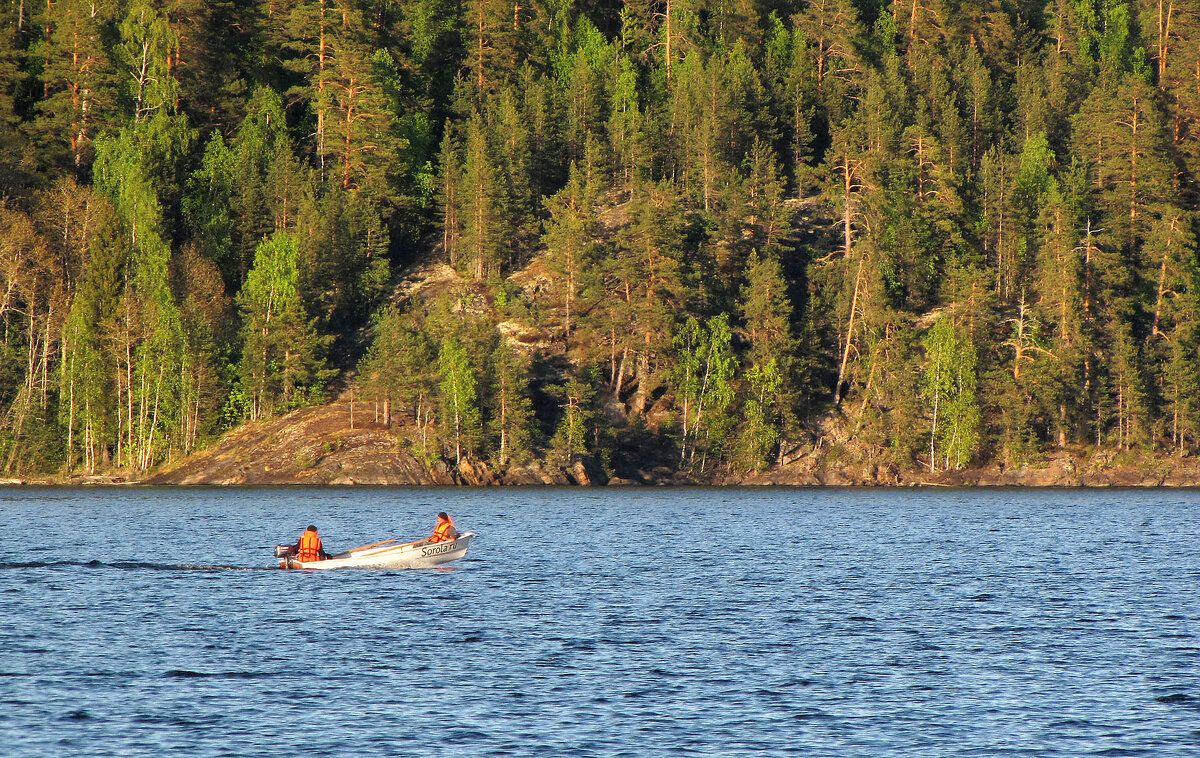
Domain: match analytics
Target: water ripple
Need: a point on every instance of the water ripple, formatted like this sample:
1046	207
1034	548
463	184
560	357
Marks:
763	622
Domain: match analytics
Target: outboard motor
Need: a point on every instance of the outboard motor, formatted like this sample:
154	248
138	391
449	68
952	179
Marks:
283	553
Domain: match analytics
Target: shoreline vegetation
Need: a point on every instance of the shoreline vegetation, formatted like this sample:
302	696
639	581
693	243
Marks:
317	446
682	241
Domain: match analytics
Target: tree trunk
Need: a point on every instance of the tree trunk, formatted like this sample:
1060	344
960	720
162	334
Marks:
848	184
837	392
321	107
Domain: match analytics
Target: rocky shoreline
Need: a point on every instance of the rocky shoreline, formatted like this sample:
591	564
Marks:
1063	469
322	446
336	444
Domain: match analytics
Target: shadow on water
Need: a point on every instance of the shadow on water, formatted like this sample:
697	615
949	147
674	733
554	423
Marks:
127	565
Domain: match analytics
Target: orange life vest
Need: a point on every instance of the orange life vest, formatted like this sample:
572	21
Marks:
309	547
442	532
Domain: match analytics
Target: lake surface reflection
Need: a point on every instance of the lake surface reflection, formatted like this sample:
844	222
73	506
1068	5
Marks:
593	622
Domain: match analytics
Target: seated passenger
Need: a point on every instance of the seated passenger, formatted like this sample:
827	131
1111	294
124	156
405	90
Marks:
309	547
444	531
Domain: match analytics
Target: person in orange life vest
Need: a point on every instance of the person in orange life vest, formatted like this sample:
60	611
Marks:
444	531
309	547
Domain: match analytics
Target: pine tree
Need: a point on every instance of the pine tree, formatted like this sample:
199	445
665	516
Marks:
575	422
790	75
304	32
361	133
767	311
450	187
831	29
1059	281
510	138
669	31
1173	38
246	188
626	129
1181	374
486	35
981	106
585	89
215	57
846	162
343	257
17	156
648	278
1121	132
400	365
79	83
208	207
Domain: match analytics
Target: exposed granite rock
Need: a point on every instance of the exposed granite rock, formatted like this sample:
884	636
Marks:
318	445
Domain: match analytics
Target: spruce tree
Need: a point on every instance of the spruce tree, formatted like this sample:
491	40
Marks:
483	204
511	419
570	241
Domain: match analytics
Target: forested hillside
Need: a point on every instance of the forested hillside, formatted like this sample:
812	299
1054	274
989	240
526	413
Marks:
955	231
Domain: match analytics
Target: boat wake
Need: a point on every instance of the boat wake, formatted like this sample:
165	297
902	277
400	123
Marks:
189	674
130	565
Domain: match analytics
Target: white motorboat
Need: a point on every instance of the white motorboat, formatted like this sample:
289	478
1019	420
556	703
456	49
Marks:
420	554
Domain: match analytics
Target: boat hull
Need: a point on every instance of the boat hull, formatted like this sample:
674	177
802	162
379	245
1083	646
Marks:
419	555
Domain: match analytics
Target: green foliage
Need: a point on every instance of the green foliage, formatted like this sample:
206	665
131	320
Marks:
144	55
482	206
148	323
575	420
570	240
645	195
283	363
460	417
948	384
511	419
399	365
704	372
760	429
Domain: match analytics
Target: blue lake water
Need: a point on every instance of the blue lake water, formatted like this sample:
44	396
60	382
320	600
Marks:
593	622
